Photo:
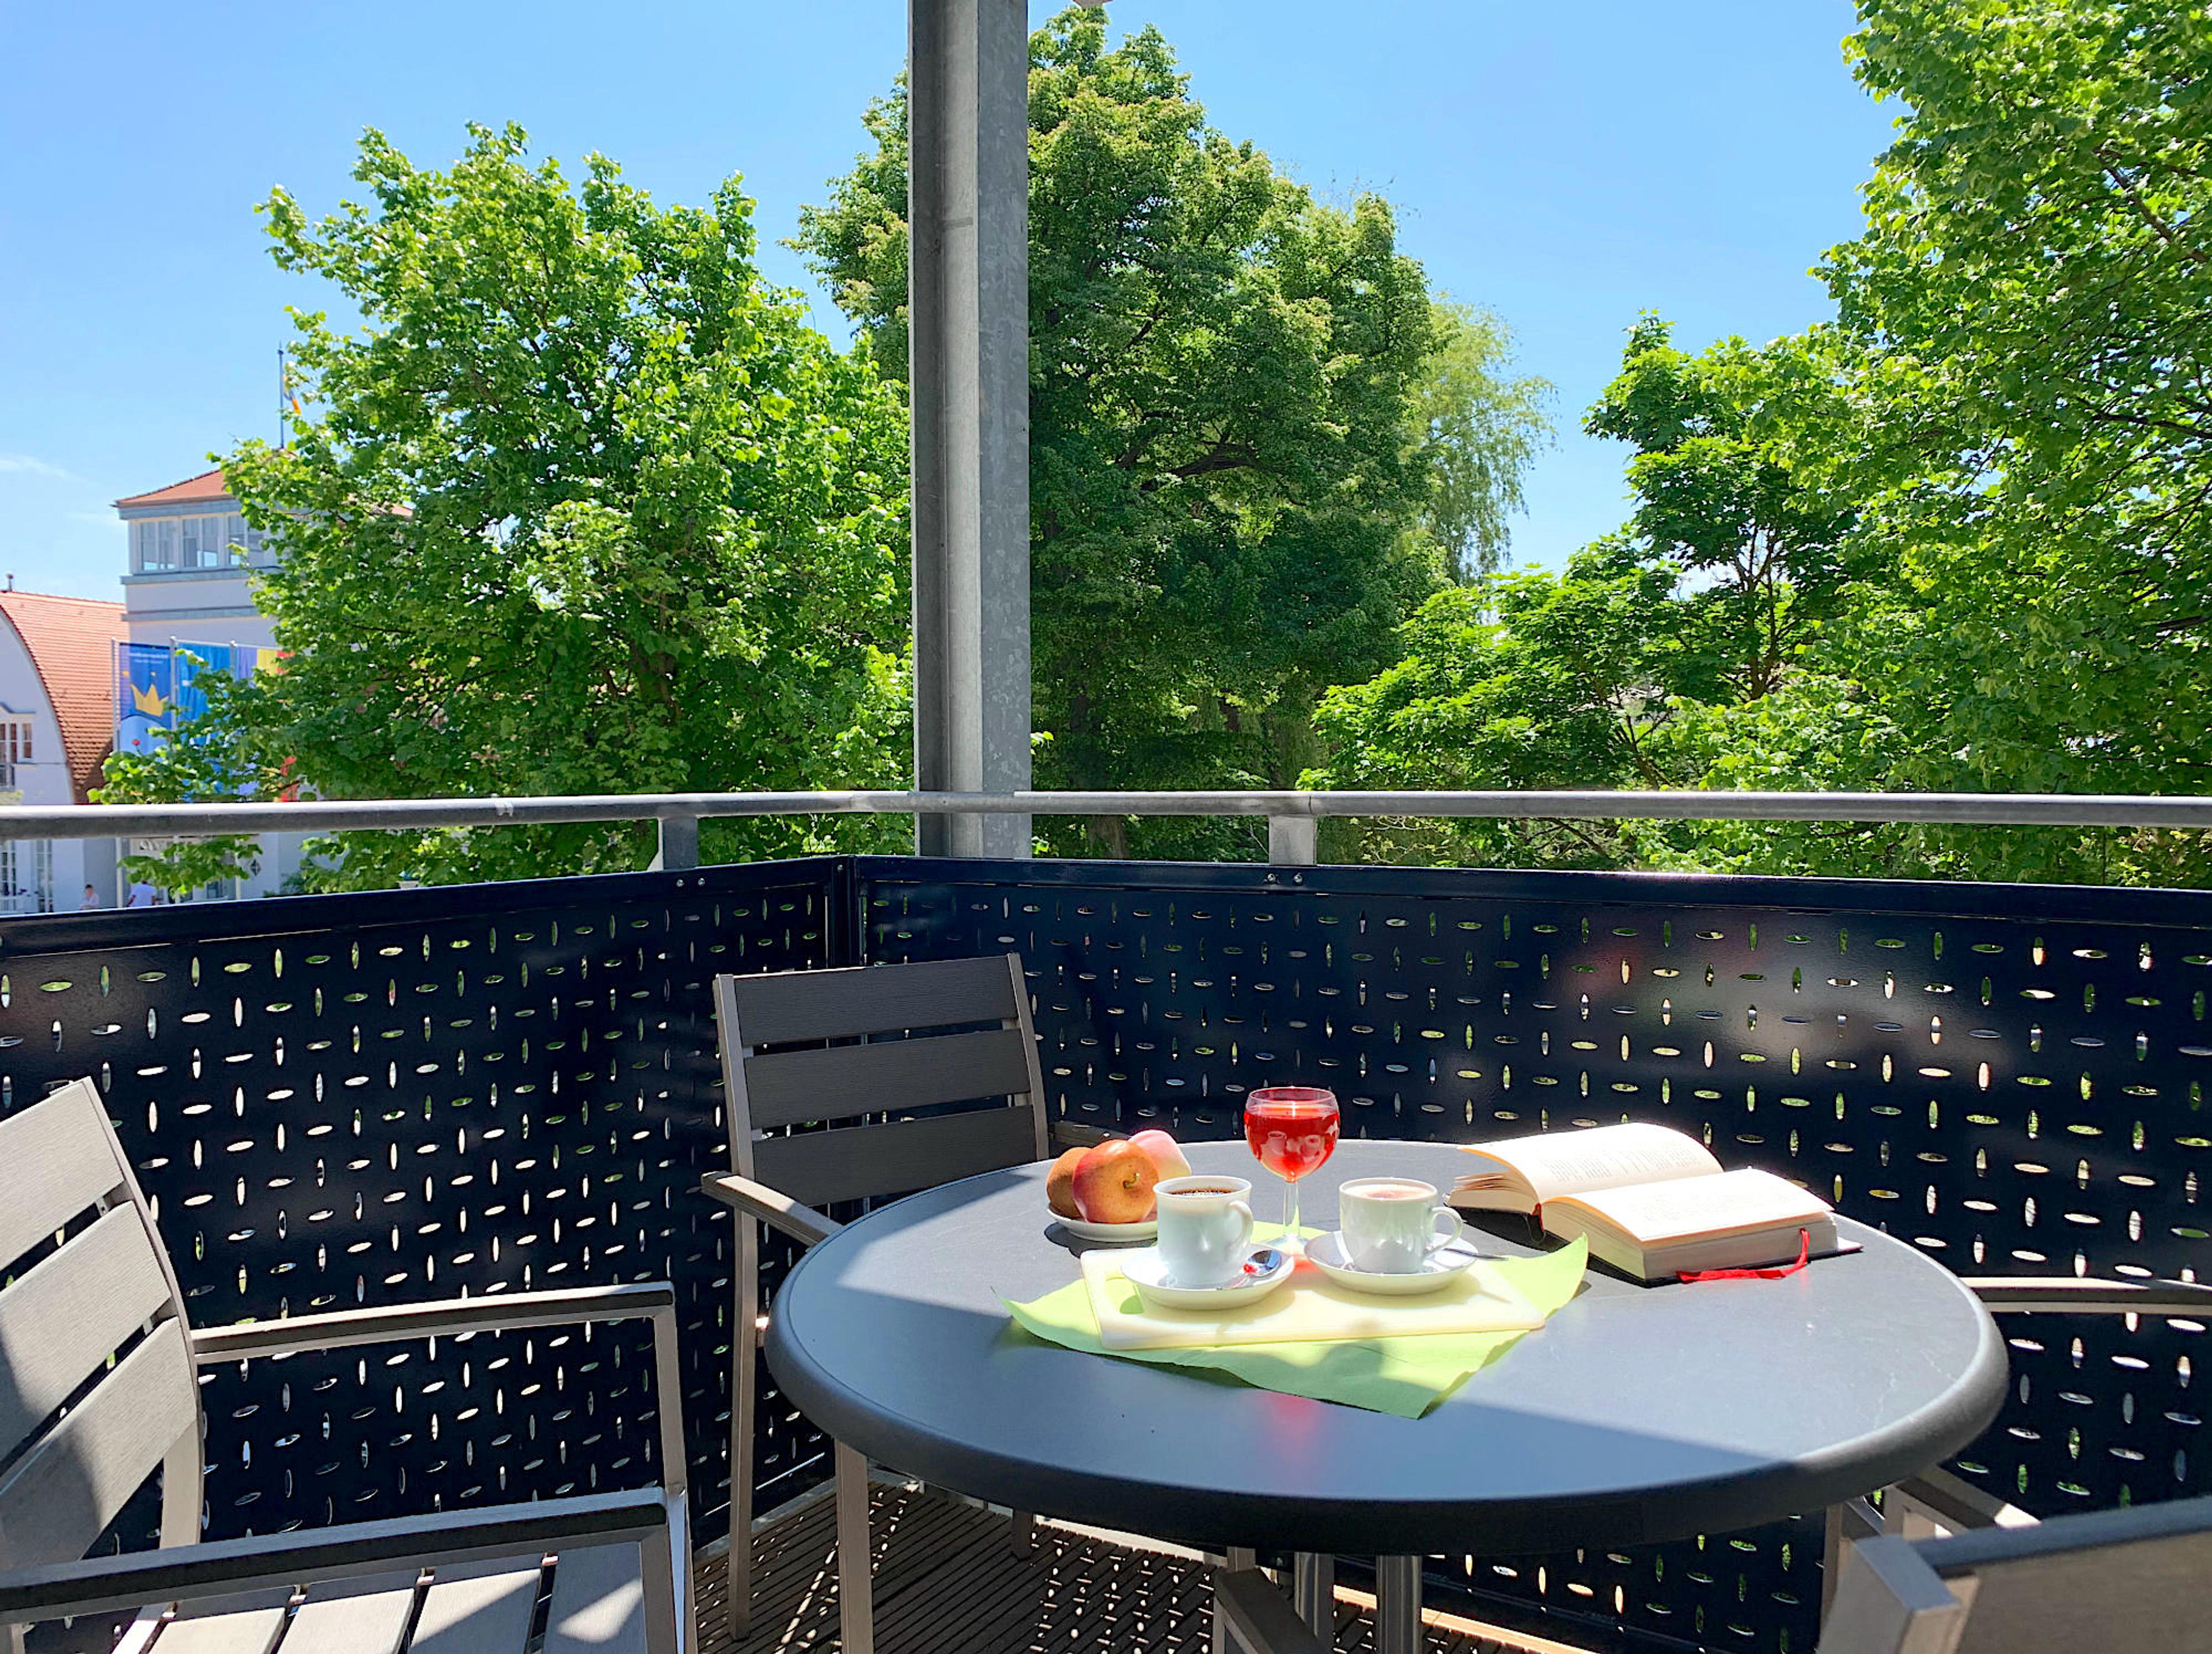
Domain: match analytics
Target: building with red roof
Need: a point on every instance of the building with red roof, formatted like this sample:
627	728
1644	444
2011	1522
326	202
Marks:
189	606
57	727
193	556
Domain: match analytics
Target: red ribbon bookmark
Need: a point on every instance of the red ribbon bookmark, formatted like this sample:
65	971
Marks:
1804	1255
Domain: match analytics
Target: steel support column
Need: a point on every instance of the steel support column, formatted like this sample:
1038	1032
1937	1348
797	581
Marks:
968	228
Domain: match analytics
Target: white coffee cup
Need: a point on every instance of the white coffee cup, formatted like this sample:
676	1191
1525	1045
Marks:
1391	1225
1205	1229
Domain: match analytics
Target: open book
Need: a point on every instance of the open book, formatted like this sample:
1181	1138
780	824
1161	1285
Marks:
1652	1202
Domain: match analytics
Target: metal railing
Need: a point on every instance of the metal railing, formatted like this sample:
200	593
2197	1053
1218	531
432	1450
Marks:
1292	816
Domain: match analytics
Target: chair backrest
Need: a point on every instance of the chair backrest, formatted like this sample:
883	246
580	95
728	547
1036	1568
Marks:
875	1045
96	1374
2131	1578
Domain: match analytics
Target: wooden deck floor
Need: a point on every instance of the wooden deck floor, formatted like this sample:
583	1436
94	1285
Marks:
948	1582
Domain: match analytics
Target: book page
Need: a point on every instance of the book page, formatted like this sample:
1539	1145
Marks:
1726	1202
1559	1163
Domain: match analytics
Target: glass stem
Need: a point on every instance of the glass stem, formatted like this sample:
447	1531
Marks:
1290	1209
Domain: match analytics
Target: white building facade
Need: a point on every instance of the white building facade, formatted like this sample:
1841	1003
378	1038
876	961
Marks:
190	591
193	560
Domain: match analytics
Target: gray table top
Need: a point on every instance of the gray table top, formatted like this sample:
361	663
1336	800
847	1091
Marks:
1637	1414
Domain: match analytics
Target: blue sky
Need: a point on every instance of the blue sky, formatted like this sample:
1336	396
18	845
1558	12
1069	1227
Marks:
1568	166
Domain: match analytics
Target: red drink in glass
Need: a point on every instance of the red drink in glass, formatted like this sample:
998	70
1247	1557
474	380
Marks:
1292	1128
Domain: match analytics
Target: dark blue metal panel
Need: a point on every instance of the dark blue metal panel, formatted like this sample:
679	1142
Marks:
388	1098
2011	1076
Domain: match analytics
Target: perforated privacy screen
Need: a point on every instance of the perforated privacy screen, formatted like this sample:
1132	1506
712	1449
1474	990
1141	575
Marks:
2013	1077
384	1098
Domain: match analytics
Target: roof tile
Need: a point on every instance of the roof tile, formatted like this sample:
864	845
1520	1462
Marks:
206	487
71	642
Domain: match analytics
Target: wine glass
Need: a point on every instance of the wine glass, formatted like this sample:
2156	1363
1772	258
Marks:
1292	1128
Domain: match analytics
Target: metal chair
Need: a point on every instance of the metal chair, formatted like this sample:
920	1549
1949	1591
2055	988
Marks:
861	1051
97	1391
1937	1503
2105	1580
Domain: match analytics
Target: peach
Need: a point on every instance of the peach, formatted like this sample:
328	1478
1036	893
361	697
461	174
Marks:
1114	1183
1167	1153
1060	1184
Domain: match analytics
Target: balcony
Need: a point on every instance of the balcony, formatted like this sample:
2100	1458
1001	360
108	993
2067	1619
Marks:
382	1098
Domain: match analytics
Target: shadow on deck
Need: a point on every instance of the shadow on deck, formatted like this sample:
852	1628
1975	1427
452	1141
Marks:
948	1582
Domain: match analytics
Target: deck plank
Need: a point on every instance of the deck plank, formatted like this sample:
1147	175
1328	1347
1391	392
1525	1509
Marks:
947	1581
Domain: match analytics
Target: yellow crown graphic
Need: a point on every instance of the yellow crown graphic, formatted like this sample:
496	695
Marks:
148	700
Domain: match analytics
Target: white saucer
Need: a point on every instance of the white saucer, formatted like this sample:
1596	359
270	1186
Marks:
1439	1268
1109	1234
1149	1276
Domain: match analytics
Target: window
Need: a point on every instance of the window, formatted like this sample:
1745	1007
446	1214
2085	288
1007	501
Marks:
14	748
27	883
159	544
153	544
206	542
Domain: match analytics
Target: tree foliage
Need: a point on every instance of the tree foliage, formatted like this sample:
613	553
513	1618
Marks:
1480	427
1239	395
583	506
2032	301
1958	539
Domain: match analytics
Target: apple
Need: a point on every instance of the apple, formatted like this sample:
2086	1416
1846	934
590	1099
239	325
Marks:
1166	1152
1114	1183
1060	1184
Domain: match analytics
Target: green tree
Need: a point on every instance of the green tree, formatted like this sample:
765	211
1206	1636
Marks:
1961	540
1480	427
1224	375
2032	301
1536	681
204	762
1636	666
1727	494
583	506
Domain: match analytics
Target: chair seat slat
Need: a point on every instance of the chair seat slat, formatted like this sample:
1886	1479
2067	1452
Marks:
599	1603
61	1495
783	1009
59	1160
838	1082
361	1616
484	1608
250	1625
68	1313
857	1162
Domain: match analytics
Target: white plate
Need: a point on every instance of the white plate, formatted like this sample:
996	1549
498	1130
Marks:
1110	1235
1149	1276
1439	1268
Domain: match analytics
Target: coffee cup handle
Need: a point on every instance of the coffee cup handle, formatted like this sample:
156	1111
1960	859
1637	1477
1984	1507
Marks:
1244	1215
1444	1221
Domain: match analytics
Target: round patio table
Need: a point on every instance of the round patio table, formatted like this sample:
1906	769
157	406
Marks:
1637	1414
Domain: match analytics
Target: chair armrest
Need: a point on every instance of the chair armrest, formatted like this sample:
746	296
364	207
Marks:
493	1313
2068	1294
771	1206
1951	1501
1068	1135
222	1567
1887	1599
1259	1619
443	1317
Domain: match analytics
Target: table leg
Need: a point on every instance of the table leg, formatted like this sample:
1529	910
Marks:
1397	1605
1313	1590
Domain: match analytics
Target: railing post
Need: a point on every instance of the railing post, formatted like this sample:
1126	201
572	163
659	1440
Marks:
1293	841
679	844
968	77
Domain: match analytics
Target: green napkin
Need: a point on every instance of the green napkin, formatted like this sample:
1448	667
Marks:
1404	1376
